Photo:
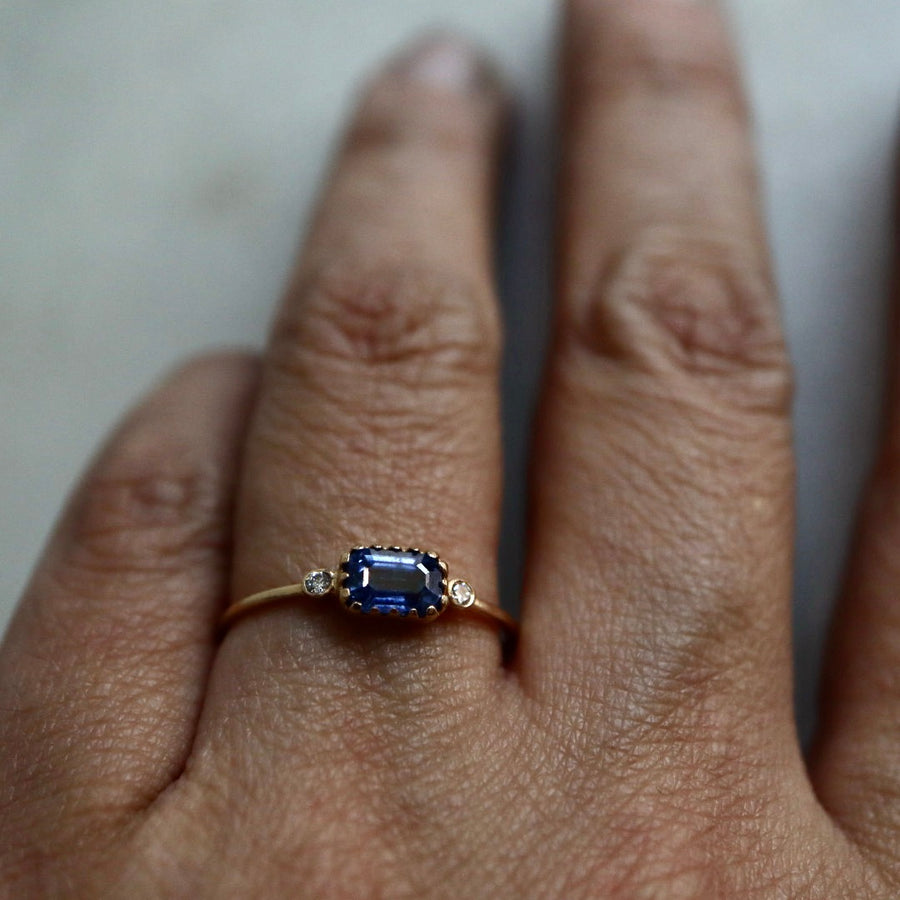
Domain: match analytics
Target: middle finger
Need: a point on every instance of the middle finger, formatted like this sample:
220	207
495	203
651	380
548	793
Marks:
660	570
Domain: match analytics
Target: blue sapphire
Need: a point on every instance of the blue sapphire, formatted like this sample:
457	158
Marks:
393	582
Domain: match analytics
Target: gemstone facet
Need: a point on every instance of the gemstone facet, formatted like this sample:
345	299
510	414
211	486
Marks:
319	582
462	593
393	582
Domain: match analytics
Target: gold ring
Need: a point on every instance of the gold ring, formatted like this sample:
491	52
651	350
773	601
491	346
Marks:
384	581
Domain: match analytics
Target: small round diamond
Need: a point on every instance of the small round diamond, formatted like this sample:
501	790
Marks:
318	582
462	593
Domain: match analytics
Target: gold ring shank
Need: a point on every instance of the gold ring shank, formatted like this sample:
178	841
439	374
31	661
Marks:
489	611
497	615
261	598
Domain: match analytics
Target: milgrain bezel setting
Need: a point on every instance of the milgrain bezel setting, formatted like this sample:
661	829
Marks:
431	612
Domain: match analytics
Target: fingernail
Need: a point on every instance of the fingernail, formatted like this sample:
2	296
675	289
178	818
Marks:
442	61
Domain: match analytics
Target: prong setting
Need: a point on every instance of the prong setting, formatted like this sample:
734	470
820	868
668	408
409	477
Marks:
408	583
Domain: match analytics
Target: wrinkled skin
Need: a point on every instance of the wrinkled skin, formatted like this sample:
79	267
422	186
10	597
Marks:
640	742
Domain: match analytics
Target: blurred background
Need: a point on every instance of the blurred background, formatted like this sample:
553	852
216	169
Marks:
157	161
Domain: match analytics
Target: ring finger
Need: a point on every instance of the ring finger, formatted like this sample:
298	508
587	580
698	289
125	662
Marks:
377	421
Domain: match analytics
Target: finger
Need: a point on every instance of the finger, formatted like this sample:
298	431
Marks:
378	418
104	665
854	761
660	556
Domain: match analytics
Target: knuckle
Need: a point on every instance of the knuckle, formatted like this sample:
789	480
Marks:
146	507
673	306
690	688
682	70
425	326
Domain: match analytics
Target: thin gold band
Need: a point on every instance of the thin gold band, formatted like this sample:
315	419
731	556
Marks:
358	575
262	598
276	595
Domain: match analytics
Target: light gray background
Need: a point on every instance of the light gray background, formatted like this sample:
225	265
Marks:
157	161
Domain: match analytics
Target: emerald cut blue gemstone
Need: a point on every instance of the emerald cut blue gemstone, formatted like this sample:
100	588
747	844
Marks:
399	582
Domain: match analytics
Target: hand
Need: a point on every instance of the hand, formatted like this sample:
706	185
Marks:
641	741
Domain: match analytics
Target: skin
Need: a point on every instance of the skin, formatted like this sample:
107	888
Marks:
640	743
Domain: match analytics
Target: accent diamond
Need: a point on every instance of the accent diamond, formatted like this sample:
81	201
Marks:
462	593
318	582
